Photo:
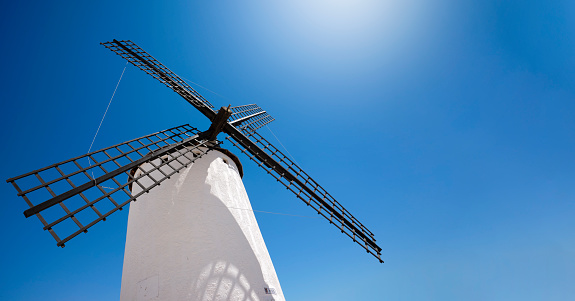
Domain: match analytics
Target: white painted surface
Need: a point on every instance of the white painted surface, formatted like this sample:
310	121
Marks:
186	240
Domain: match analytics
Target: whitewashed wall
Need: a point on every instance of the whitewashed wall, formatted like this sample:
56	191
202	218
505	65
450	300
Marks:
187	241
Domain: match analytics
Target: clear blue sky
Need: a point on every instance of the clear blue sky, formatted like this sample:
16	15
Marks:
448	129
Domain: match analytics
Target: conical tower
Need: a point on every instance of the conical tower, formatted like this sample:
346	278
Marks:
195	237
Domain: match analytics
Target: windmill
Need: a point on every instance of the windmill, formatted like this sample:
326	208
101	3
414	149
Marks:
71	196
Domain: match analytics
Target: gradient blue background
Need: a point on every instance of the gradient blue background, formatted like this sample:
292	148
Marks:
447	128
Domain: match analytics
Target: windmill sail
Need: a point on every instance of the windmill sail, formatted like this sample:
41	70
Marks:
147	63
71	196
251	116
275	163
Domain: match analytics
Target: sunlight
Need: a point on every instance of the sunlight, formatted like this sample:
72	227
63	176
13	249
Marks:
342	19
340	30
342	22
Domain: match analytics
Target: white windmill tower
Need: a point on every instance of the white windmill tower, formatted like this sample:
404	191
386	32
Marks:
194	237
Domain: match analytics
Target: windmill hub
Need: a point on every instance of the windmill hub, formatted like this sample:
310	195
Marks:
218	123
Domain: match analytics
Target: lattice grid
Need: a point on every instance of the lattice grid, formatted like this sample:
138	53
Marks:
249	116
308	190
71	196
147	63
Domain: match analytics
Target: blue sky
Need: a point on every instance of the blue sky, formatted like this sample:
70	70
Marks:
447	128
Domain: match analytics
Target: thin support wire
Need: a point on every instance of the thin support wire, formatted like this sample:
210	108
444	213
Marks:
292	157
269	212
106	112
191	82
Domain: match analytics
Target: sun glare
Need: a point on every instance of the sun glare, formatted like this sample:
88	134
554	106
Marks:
332	29
343	18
